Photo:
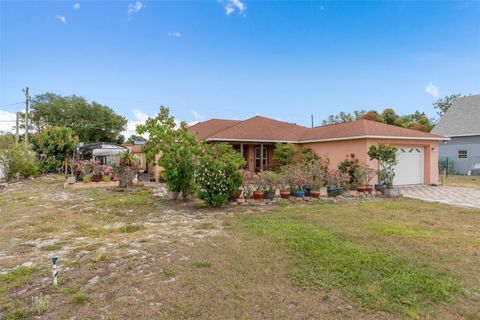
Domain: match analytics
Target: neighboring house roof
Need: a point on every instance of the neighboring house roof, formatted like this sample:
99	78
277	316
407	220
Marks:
462	119
263	129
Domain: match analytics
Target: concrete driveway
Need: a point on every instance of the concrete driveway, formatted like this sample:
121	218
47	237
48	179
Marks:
455	196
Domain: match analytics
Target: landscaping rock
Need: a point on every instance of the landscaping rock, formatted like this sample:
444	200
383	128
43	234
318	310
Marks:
27	264
392	193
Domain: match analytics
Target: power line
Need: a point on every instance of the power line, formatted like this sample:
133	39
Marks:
11	104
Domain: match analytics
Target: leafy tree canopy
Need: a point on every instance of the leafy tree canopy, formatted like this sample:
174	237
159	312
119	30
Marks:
417	121
92	122
443	104
178	148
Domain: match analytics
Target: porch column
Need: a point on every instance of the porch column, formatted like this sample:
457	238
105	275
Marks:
241	149
261	157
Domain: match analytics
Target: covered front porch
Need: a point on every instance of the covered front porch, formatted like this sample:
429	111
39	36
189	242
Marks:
259	156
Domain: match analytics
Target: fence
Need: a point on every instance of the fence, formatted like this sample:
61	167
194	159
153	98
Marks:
454	165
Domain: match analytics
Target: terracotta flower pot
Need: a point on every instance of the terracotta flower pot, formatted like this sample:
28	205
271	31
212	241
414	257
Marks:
97	178
285	194
315	194
361	189
172	195
258	195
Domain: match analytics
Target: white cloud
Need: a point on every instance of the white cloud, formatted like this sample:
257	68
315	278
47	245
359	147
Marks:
76	6
140	118
62	19
175	34
10	117
233	5
135	7
431	89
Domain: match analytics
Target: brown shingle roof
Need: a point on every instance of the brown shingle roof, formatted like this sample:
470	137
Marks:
264	129
261	128
206	129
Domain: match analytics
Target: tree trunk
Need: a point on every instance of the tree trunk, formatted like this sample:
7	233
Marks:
126	177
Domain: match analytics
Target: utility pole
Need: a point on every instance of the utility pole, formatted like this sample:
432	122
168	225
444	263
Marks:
27	99
312	119
17	135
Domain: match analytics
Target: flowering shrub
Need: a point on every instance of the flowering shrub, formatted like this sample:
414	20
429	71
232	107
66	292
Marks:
218	175
299	178
91	167
248	183
267	181
336	177
350	166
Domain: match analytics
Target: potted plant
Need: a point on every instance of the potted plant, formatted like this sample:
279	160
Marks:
380	186
316	186
299	181
258	193
96	172
335	179
349	167
285	181
268	181
386	156
365	175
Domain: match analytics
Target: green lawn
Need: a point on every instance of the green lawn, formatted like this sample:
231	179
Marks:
133	255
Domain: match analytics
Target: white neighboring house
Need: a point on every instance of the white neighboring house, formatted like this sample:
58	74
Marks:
105	153
461	123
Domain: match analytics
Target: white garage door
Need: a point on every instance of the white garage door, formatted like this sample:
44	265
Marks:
409	169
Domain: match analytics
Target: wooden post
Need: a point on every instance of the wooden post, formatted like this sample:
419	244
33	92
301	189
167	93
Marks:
241	148
261	157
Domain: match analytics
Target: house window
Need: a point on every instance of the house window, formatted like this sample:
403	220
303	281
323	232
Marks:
258	157
462	154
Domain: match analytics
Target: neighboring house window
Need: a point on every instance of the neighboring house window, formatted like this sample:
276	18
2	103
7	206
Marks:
101	159
257	157
462	154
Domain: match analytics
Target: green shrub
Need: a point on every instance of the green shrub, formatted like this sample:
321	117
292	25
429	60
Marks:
87	179
17	160
218	175
106	178
284	153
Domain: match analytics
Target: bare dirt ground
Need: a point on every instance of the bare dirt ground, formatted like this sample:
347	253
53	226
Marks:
133	254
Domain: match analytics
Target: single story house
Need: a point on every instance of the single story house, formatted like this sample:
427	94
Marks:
461	123
256	137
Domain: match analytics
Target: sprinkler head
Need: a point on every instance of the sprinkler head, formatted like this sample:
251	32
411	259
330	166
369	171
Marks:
54	259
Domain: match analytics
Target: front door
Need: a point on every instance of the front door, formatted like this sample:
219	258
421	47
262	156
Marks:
258	158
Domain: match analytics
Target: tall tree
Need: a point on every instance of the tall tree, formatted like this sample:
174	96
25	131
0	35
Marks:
443	104
416	121
92	122
55	146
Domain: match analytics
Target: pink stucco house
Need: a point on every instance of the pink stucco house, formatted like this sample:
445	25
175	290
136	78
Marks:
255	138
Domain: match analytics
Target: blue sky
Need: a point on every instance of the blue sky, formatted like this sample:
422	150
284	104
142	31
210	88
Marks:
238	58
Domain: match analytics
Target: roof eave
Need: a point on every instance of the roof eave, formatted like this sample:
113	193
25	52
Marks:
330	139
